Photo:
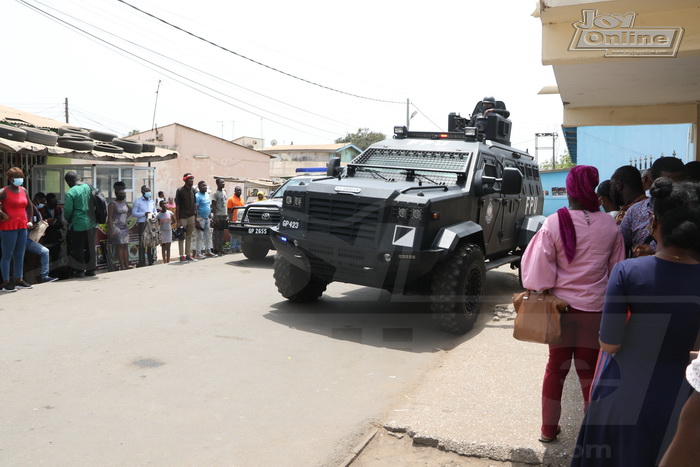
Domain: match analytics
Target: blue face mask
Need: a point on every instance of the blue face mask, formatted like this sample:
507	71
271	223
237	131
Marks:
40	205
17	181
147	195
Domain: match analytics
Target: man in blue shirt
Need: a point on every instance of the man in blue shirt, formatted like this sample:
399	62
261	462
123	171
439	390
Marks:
203	202
142	207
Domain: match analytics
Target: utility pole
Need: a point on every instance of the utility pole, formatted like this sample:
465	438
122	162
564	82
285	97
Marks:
66	106
552	147
222	128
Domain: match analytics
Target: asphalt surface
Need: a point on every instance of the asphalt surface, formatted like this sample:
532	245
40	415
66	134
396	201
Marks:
205	364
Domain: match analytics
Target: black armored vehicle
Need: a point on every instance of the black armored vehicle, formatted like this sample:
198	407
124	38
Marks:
421	213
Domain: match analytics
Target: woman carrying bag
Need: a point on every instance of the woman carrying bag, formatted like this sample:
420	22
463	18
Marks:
572	256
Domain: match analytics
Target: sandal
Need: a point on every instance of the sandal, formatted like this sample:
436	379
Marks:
544	439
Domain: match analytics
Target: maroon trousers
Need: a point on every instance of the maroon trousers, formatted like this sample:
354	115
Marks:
579	340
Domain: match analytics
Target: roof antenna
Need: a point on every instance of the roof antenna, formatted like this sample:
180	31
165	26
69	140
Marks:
153	125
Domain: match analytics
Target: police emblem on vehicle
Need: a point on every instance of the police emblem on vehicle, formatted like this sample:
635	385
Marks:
266	216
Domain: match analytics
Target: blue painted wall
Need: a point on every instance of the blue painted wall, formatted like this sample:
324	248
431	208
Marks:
609	147
551	180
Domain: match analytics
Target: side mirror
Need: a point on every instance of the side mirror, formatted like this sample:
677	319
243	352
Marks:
333	166
483	184
512	181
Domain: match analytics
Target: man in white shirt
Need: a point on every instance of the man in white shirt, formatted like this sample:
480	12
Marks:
141	208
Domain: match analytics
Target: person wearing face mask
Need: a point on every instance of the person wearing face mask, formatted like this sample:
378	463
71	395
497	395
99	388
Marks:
53	237
36	248
15	210
144	206
117	229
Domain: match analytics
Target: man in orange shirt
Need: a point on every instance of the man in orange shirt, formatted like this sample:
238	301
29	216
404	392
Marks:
235	201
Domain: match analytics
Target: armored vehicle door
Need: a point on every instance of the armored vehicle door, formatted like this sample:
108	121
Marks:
510	207
490	210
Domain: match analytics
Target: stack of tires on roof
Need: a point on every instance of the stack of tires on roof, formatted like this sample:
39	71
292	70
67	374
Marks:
79	139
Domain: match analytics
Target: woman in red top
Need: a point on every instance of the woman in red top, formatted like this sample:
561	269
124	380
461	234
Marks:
15	209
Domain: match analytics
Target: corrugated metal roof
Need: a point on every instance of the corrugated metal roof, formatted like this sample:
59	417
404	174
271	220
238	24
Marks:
15	146
18	117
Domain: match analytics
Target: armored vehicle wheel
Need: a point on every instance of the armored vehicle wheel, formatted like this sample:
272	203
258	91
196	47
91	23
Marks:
295	284
253	250
456	289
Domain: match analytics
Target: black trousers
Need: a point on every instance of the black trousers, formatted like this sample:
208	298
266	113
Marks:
81	250
143	251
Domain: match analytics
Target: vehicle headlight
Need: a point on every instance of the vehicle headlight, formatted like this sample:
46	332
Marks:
403	213
288	200
417	213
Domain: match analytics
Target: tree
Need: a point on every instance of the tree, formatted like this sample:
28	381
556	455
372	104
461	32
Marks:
134	132
362	138
564	162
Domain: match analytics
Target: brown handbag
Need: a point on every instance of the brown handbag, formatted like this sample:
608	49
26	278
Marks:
538	316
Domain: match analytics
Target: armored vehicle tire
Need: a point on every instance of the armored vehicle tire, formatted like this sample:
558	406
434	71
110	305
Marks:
456	289
295	284
253	250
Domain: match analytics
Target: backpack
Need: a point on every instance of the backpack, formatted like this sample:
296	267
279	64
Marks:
151	232
99	203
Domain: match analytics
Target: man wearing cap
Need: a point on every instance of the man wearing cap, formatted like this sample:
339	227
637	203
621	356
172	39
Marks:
185	215
142	208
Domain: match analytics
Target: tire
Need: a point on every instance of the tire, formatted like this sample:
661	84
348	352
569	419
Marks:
37	136
129	145
78	143
103	136
296	285
148	147
254	250
105	147
73	130
12	133
456	289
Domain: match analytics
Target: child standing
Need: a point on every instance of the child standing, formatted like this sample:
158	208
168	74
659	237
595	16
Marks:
165	218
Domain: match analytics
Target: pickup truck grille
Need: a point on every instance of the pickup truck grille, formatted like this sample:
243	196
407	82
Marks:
263	216
346	218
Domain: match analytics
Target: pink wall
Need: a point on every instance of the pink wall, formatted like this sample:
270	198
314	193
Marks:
223	158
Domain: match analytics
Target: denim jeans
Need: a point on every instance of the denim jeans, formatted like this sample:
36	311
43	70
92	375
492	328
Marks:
43	253
13	244
204	236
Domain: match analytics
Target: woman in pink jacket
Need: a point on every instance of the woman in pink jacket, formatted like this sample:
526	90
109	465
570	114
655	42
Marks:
572	255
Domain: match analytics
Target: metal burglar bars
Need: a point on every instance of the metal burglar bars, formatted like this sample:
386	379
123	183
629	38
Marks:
395	162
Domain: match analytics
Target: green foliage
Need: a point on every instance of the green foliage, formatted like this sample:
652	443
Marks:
564	162
362	138
134	132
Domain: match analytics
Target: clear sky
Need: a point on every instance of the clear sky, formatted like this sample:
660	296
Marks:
442	55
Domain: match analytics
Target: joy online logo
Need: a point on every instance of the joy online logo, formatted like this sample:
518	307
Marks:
616	34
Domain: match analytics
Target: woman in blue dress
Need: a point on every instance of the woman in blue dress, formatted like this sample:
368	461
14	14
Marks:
650	323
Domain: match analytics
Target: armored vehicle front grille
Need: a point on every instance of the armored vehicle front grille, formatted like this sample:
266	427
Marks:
263	216
344	217
419	160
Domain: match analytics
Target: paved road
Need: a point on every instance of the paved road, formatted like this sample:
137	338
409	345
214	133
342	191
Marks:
202	364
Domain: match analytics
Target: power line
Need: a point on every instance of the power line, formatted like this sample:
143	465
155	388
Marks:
193	68
421	112
183	77
255	61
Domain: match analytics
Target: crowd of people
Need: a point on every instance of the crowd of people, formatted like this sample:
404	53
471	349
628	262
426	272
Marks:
630	277
40	227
